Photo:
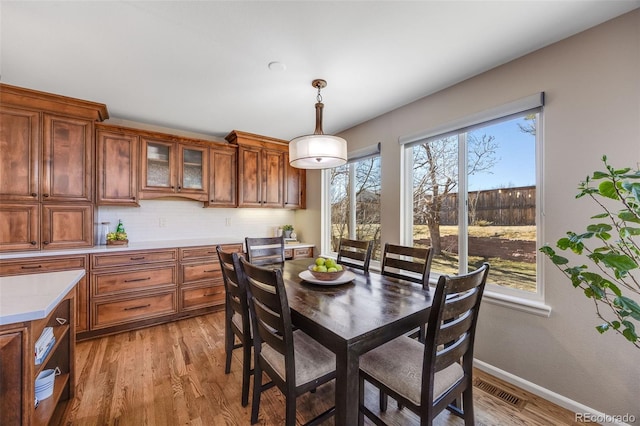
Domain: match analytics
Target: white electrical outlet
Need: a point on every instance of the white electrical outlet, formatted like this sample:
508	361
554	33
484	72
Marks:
227	221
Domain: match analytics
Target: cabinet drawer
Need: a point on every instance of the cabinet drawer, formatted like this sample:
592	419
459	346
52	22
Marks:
34	266
201	297
133	258
191	253
107	314
201	271
302	252
126	281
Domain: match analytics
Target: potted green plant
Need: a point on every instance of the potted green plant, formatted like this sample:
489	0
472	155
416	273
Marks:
610	246
287	230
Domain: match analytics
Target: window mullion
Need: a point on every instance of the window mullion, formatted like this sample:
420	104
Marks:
352	201
463	201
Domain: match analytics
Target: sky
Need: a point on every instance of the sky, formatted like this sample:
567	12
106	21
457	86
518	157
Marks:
515	157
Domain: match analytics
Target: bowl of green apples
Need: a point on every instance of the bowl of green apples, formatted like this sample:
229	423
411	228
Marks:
326	269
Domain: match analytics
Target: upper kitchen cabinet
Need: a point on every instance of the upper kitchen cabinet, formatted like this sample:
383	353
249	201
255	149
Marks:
223	187
46	142
117	166
295	190
174	169
262	171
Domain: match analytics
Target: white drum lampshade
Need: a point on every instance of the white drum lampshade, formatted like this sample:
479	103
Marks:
317	151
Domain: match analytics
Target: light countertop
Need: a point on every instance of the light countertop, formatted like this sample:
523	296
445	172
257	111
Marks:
143	245
34	296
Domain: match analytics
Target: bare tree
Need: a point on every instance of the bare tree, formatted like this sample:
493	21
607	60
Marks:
435	171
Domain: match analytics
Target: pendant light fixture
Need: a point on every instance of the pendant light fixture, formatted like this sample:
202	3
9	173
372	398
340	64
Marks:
317	151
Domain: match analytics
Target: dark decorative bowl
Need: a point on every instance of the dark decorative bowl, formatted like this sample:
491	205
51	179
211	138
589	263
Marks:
326	276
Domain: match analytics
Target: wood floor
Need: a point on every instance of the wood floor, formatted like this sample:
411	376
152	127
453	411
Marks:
173	374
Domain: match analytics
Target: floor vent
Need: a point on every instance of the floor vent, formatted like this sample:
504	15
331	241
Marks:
500	393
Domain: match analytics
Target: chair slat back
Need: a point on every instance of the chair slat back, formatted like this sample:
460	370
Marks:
452	323
236	292
407	263
355	253
268	300
263	251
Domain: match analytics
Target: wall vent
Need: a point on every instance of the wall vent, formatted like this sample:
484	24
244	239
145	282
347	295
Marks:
499	393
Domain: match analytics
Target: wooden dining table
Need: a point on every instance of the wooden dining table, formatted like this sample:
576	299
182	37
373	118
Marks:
351	319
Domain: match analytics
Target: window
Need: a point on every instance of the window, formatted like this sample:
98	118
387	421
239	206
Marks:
353	207
472	194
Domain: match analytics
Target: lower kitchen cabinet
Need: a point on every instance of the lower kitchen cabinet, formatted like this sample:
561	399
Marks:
37	265
201	283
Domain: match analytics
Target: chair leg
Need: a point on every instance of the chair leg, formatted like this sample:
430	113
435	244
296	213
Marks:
257	389
229	339
246	372
467	406
361	402
384	399
290	416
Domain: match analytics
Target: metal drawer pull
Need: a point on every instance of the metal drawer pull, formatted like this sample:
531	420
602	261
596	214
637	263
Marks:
31	267
137	307
211	270
212	294
138	258
137	279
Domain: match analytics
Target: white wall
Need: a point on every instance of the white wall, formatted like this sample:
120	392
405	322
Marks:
592	86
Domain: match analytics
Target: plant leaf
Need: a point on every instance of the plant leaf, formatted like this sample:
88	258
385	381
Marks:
607	189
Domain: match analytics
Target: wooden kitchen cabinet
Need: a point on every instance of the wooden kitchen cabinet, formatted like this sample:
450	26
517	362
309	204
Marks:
261	170
174	169
117	167
36	265
47	145
67	164
298	252
20	160
132	289
223	186
295	186
201	282
19	371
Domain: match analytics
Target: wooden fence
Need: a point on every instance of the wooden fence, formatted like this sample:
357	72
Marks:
500	207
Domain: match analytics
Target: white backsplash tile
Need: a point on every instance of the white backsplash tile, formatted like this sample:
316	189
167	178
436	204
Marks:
157	220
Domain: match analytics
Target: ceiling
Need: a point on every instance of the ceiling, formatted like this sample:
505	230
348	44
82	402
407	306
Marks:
202	66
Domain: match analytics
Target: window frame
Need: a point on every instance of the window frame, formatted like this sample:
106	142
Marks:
325	210
532	302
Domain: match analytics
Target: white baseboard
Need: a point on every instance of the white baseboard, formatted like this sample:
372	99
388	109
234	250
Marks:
550	396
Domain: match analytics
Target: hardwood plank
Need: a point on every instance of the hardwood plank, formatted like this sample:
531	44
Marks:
173	374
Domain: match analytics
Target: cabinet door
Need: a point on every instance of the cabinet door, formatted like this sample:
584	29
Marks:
295	190
158	176
249	177
13	404
67	167
19	227
67	226
117	171
273	178
20	159
222	182
193	176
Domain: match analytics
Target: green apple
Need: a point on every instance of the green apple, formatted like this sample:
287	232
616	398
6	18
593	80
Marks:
339	267
322	268
332	269
320	261
330	263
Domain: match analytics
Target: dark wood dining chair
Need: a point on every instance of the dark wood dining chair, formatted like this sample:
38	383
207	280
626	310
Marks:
427	378
265	250
237	322
407	263
355	253
294	361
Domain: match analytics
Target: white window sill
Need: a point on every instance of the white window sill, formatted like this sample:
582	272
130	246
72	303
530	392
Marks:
517	303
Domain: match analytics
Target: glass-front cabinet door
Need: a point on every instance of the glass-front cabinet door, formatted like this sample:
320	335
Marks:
174	169
158	168
192	174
